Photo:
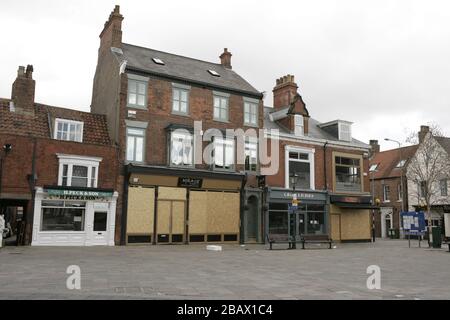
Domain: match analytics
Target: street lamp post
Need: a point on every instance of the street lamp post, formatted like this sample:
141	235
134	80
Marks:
401	177
293	217
373	204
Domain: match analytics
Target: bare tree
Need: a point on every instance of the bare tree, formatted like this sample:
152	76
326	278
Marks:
426	169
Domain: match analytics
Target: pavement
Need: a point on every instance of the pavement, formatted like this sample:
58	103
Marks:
250	272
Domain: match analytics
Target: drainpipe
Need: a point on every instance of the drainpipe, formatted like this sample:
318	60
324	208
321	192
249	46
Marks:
32	178
242	227
123	222
325	164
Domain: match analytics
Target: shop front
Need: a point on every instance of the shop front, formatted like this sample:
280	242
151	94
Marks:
181	206
309	217
351	218
67	216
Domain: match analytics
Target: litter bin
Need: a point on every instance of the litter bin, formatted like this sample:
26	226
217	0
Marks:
396	233
436	237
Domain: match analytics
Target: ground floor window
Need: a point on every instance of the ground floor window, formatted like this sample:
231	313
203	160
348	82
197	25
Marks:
63	216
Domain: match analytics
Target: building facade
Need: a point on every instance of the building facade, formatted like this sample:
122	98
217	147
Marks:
388	184
322	166
179	171
58	171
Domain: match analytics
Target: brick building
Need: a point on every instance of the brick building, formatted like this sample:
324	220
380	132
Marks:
388	182
57	171
152	100
321	165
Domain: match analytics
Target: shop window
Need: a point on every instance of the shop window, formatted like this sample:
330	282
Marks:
135	144
181	149
163	238
62	216
316	222
139	239
223	154
300	165
68	130
177	238
214	238
230	238
278	222
76	171
196	238
251	154
348	174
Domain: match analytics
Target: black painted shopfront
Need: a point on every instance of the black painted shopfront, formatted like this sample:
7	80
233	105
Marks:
309	217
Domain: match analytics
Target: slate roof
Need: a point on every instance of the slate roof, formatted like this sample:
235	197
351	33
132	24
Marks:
444	142
388	160
95	129
184	68
314	130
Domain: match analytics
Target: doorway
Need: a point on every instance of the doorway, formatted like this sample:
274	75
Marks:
171	222
13	232
251	219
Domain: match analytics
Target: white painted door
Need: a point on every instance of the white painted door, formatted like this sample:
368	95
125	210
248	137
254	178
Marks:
100	228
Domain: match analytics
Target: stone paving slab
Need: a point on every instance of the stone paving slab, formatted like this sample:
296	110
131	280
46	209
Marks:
250	272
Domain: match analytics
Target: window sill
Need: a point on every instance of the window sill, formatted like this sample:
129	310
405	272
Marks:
251	125
137	107
222	121
181	114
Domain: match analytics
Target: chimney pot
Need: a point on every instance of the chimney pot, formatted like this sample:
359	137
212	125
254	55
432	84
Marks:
225	58
424	130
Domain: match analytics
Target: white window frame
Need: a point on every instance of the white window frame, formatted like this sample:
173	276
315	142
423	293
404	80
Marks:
340	131
299	125
74	160
69	122
249	141
445	182
399	192
192	164
386	194
144	131
222	97
251	108
311	161
223	145
373	167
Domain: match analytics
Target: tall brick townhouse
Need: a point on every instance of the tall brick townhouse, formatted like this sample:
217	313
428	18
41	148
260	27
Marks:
388	181
152	100
57	172
321	165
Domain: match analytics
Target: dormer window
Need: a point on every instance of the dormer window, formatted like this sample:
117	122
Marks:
68	130
345	131
299	125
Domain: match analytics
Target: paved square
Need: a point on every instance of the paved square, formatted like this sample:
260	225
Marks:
251	272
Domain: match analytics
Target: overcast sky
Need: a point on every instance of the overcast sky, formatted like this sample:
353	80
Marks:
384	65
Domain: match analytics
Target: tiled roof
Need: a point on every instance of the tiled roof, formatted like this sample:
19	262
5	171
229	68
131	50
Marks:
387	161
38	125
184	68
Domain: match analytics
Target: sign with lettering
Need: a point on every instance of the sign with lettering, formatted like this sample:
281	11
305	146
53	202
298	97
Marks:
349	199
78	194
413	222
190	182
299	195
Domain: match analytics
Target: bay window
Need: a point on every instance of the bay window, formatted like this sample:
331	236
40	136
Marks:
223	154
77	171
181	149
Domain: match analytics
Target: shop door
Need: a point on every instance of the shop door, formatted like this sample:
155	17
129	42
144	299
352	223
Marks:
301	225
171	222
252	219
100	228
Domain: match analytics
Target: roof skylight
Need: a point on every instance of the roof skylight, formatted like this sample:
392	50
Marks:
214	73
158	61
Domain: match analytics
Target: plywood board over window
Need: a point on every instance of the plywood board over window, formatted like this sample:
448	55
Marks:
140	214
198	212
171	193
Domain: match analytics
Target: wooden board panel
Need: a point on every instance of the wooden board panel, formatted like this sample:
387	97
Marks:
171	193
222	184
335	227
140	213
355	224
223	212
163	220
197	212
231	206
178	217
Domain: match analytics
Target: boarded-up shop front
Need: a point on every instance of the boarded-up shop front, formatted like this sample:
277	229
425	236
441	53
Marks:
351	218
174	206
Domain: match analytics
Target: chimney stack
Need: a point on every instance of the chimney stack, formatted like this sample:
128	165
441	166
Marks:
23	90
374	146
424	130
225	58
111	35
284	91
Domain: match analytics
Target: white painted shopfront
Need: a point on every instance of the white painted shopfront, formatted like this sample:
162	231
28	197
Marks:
65	216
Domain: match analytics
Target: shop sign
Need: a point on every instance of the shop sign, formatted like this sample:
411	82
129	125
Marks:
300	196
78	194
190	182
349	199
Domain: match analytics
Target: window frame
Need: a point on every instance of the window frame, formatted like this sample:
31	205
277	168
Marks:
181	88
298	118
249	141
386	193
361	166
137	79
192	165
73	160
69	122
248	104
222	97
340	131
127	135
233	165
443	183
310	160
